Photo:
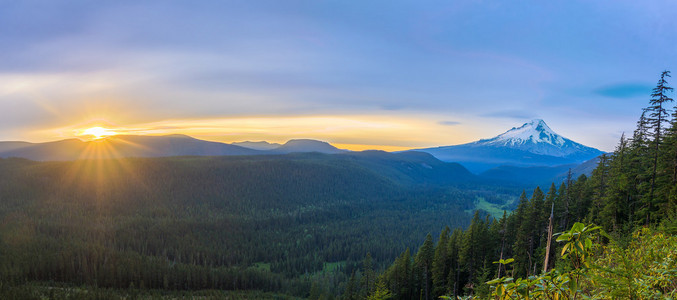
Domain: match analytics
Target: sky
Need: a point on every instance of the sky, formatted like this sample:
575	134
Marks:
389	75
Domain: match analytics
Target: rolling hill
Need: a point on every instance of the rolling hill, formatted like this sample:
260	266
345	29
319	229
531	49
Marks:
149	146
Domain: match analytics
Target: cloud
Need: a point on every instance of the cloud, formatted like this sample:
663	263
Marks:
624	90
510	114
449	123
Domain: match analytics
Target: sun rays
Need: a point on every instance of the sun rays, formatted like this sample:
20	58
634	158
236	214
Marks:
391	132
98	132
103	167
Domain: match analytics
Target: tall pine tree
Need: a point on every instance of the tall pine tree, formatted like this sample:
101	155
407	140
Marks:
658	116
424	263
441	266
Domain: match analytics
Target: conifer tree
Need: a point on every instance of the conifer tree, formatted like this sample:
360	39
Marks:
440	268
641	133
470	254
580	192
453	279
567	200
368	280
638	172
424	262
561	210
352	288
669	187
381	291
401	281
529	234
599	185
503	223
671	150
668	169
538	228
616	201
658	116
549	200
521	244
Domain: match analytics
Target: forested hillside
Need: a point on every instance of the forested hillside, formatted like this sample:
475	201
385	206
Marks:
631	195
350	225
273	223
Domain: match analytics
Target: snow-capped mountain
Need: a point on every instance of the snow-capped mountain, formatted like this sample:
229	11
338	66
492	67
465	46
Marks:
532	144
536	137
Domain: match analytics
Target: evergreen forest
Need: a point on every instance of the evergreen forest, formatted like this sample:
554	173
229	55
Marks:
628	250
272	224
367	225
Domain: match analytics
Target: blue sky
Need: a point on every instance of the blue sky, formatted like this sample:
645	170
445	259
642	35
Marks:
361	74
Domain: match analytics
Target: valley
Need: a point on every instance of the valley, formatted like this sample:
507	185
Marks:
279	220
337	150
271	223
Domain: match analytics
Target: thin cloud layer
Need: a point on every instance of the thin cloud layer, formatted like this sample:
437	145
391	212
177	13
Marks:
626	90
131	62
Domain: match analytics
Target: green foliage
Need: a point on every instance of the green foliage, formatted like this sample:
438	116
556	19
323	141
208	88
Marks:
299	224
614	273
634	186
423	265
578	244
645	269
381	292
555	284
276	224
48	290
440	265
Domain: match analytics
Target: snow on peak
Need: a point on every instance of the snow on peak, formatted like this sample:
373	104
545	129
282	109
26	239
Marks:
533	132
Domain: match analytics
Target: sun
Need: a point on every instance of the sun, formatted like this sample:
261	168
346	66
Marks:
98	132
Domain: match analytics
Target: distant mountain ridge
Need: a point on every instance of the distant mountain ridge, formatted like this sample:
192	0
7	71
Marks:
307	145
147	146
260	145
533	144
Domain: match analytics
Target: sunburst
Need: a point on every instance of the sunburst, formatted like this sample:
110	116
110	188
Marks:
98	132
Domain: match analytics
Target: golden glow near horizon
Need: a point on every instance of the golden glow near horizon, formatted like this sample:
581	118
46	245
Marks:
97	132
352	132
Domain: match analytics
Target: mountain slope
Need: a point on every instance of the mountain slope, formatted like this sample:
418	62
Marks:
69	149
262	145
124	146
152	146
9	146
411	167
307	145
541	176
219	218
532	144
536	137
173	145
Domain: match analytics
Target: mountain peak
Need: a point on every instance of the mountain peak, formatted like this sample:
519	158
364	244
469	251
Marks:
532	144
536	137
259	145
534	123
538	124
534	132
308	145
